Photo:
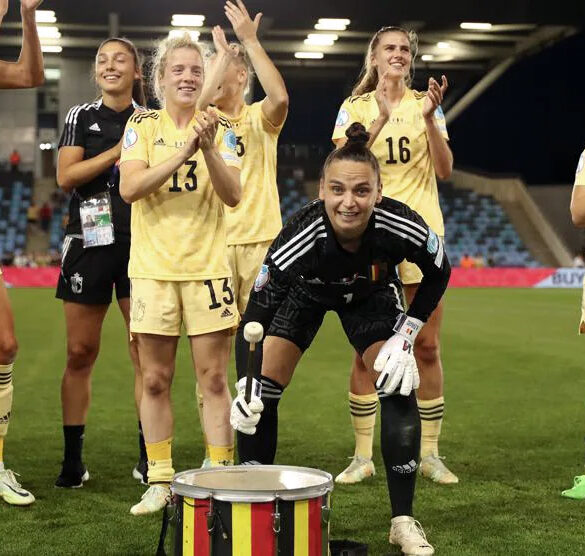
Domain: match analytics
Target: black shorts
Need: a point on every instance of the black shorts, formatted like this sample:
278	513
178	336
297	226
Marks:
364	321
88	275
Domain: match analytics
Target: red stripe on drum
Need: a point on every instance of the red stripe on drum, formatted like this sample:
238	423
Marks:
263	537
201	536
315	538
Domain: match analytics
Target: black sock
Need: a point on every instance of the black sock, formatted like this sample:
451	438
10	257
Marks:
73	444
400	435
141	443
261	447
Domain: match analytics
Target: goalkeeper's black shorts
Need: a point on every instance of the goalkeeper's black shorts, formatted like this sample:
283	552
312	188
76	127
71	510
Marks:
300	315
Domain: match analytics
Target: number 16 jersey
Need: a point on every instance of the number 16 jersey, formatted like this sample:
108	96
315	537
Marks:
179	231
402	149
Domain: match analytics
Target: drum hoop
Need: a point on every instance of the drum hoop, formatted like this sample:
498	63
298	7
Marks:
242	495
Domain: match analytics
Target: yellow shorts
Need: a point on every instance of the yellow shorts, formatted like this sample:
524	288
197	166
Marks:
161	307
409	273
245	262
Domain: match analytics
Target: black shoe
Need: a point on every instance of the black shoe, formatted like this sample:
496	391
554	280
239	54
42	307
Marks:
140	472
72	477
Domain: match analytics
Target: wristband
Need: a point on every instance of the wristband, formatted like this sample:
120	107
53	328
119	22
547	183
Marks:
408	327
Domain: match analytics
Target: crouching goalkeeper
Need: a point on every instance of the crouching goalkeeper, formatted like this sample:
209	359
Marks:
339	253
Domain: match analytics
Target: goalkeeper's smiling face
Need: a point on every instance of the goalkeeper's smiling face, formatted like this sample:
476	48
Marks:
350	190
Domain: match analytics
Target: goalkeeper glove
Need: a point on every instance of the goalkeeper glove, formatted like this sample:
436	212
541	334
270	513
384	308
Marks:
245	416
395	362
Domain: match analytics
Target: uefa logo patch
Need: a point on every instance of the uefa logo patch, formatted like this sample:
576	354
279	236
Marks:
230	140
432	242
130	138
342	118
262	279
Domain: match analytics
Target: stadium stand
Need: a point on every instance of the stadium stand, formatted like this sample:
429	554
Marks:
15	197
292	197
477	225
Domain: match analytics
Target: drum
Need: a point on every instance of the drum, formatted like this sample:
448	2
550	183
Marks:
251	510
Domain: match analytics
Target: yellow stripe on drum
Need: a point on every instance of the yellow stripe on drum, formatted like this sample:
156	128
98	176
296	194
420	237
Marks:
301	528
242	529
188	526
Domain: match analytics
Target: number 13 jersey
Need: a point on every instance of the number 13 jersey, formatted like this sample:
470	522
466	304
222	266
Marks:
179	231
402	149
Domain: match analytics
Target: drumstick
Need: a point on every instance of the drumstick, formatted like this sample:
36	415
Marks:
253	333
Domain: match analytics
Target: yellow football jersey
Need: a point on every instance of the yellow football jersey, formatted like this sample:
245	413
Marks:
178	232
257	216
580	173
402	150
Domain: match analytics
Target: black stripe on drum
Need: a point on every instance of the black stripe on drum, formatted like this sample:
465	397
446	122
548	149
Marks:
221	538
286	538
178	521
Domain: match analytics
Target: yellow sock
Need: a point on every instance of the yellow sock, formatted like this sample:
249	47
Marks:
201	422
363	420
1	449
431	418
221	455
160	463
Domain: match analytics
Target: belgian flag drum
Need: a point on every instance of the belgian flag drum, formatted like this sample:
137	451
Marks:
252	511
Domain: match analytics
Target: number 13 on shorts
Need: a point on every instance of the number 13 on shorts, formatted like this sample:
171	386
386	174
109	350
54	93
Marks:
201	306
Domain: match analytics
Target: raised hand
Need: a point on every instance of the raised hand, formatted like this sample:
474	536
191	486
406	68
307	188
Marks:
381	95
434	96
245	29
206	128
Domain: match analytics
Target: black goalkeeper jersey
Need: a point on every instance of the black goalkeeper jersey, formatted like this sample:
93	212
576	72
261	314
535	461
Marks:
97	128
306	253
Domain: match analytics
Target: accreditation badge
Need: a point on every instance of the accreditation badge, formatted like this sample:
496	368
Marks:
97	226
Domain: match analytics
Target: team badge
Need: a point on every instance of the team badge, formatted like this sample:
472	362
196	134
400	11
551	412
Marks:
138	308
432	242
130	138
581	163
230	140
76	283
342	118
262	279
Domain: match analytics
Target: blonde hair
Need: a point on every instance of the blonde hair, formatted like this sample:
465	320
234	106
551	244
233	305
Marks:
368	79
161	56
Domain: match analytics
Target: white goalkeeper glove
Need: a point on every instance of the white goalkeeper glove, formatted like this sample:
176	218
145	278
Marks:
245	416
395	362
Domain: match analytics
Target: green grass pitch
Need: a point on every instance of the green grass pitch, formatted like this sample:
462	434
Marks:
513	432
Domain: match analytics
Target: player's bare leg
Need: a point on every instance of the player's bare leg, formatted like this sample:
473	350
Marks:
400	443
363	403
430	393
140	471
10	490
157	356
210	354
280	358
84	326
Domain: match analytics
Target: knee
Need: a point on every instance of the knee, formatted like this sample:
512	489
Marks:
8	348
155	383
428	350
213	381
81	356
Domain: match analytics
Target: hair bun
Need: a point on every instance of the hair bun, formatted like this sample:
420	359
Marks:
357	136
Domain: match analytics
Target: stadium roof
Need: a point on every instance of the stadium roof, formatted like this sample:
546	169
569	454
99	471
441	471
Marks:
518	27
